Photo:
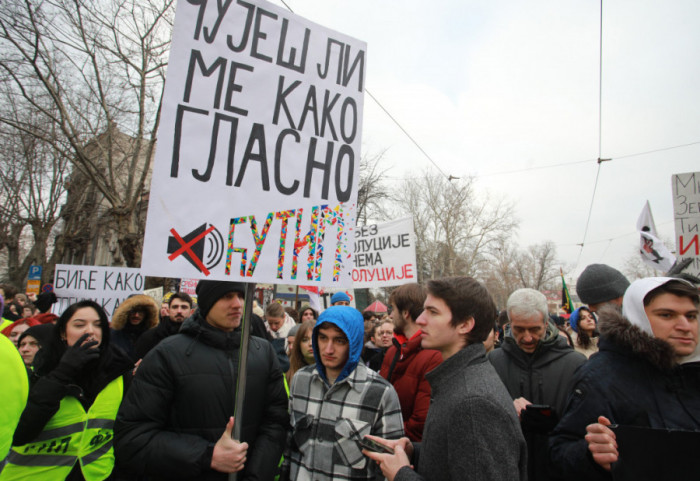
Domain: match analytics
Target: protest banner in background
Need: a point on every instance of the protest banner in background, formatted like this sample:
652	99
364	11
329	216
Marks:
257	165
385	254
108	286
189	286
156	294
686	212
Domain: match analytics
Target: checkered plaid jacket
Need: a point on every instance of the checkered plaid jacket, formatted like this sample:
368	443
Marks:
328	422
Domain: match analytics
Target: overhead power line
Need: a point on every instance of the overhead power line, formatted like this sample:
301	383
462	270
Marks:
600	133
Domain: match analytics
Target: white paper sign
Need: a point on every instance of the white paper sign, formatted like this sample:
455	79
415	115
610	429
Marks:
189	286
108	286
256	171
686	211
385	254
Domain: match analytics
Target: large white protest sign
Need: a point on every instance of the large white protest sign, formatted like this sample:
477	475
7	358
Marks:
256	170
108	286
686	211
385	254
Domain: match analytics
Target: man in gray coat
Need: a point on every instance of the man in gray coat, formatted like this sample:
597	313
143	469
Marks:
472	431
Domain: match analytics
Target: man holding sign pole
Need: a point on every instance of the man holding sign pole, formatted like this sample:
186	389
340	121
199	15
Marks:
176	421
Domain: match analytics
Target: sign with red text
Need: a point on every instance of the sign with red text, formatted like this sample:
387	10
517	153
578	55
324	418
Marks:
189	286
257	165
108	286
385	254
686	212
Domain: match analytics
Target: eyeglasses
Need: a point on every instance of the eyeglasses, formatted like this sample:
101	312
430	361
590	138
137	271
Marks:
385	333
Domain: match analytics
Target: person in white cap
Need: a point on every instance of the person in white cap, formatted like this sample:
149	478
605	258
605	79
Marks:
638	378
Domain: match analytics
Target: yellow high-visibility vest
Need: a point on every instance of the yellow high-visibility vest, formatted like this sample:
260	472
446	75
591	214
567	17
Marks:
15	387
71	436
5	323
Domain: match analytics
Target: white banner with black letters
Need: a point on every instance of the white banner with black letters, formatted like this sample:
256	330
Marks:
108	286
256	170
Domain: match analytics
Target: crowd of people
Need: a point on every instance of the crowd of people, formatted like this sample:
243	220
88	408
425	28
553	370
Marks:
442	386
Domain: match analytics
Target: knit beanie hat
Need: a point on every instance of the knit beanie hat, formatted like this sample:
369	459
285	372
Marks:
208	292
339	296
293	330
45	300
600	283
576	316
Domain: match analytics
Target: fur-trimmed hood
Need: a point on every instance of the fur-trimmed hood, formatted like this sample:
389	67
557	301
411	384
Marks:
120	317
631	329
616	328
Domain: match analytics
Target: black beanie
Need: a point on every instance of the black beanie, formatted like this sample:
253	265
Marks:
44	301
208	292
600	283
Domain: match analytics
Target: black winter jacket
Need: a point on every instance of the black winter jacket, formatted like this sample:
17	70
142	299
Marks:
150	339
543	377
182	397
633	380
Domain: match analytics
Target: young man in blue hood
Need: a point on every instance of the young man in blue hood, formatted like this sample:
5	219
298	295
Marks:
338	401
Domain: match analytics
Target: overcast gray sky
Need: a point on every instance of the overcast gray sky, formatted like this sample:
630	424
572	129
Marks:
493	86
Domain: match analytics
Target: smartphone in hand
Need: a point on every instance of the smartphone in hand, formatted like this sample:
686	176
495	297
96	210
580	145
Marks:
374	446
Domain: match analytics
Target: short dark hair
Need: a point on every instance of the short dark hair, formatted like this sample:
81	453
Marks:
409	297
9	290
183	296
329	325
677	288
467	298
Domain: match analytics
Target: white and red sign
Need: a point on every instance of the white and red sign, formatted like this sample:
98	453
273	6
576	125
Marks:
385	254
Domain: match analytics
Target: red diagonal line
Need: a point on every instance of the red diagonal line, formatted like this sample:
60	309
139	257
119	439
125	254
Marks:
186	247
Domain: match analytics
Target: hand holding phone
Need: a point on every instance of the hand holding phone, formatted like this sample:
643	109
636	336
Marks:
374	446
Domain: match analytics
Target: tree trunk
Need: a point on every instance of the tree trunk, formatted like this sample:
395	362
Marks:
129	237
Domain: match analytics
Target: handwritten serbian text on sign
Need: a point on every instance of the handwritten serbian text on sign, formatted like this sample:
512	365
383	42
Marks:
108	286
686	210
385	254
255	176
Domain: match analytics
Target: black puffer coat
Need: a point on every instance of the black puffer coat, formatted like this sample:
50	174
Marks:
633	380
182	397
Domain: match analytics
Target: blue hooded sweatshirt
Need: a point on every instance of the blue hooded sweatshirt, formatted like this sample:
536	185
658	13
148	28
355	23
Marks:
350	321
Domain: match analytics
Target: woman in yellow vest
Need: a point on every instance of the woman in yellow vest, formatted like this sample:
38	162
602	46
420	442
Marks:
66	429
